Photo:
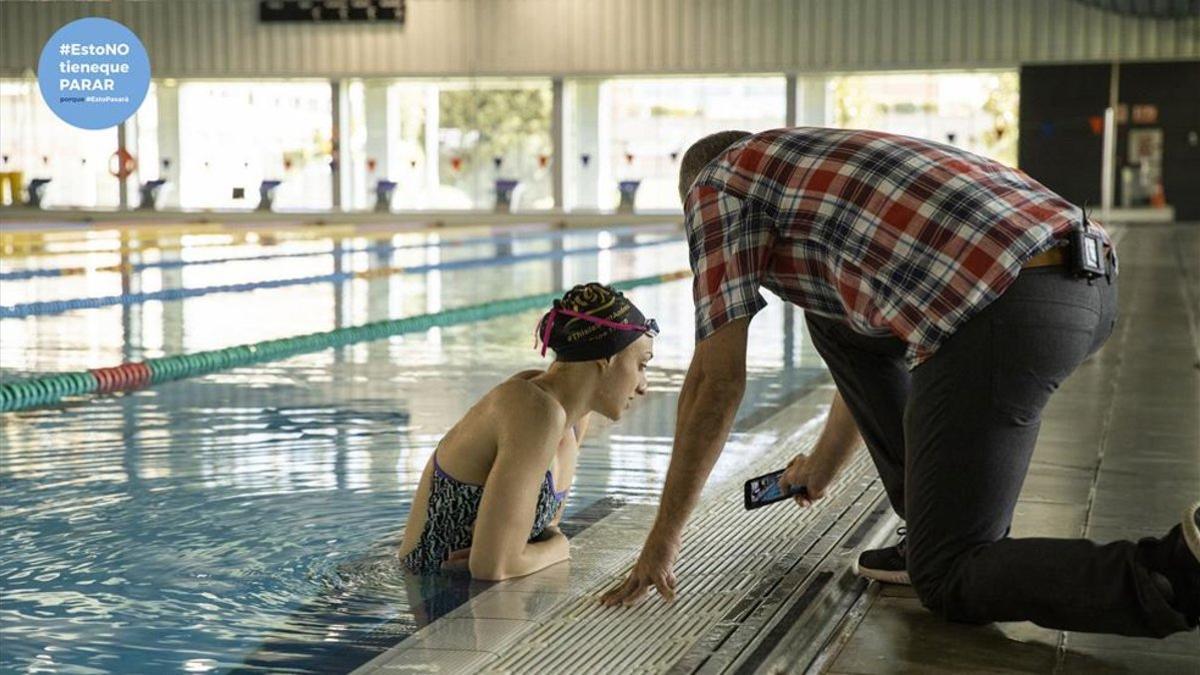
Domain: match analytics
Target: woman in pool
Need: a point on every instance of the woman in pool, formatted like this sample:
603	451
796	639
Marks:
491	496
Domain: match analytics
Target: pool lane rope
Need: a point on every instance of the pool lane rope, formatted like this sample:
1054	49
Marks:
42	272
44	390
49	307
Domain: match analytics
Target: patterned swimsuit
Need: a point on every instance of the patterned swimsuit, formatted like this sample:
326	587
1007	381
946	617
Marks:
453	506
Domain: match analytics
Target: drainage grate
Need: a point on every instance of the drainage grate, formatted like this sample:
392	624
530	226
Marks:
745	579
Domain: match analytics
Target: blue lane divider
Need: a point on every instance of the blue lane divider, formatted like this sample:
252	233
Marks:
21	394
33	273
49	307
21	275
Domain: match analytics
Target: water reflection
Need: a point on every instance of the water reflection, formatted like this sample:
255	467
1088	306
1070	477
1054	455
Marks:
105	336
247	518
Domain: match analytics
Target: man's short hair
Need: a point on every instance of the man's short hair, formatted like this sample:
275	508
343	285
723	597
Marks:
701	153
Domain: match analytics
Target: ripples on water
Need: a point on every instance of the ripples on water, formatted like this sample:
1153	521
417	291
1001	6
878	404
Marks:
246	520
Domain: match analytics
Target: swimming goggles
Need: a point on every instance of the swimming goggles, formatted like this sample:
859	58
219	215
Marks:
650	328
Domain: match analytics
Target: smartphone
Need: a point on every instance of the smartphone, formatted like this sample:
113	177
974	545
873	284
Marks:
765	490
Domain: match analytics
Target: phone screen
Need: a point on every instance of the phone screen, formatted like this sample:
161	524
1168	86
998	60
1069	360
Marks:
765	490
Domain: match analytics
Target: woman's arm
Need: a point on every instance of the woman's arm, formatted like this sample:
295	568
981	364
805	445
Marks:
528	436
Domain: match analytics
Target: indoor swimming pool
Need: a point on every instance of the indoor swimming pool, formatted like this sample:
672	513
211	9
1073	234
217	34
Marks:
245	519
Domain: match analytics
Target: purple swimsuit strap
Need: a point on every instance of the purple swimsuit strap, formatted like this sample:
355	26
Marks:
441	472
557	495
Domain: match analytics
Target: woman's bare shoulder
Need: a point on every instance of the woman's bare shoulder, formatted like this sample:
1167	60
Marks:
527	374
518	393
521	401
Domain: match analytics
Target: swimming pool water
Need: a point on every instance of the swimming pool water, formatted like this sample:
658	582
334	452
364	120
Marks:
244	520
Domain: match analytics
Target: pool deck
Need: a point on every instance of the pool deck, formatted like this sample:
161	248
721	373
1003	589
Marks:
771	591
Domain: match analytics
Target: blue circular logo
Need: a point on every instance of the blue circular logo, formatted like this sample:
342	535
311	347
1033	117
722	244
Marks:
94	73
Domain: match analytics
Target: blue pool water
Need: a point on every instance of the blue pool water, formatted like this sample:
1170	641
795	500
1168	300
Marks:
244	520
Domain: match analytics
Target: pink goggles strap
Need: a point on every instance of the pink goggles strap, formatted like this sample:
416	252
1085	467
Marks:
579	315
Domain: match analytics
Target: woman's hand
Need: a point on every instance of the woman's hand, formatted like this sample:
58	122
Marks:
810	473
458	560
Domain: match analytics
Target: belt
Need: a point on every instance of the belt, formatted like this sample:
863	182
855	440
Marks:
1052	258
1049	258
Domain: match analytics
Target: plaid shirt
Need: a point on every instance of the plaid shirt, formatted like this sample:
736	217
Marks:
889	234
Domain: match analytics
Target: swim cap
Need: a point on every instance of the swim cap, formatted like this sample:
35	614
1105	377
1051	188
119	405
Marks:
592	321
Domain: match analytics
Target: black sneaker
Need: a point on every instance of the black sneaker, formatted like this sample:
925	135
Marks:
1186	576
889	565
1174	562
1191	529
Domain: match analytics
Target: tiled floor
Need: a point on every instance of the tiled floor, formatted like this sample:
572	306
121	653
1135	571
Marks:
1118	457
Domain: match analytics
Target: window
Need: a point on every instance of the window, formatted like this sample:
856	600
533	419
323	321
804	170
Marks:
233	135
974	111
37	144
649	123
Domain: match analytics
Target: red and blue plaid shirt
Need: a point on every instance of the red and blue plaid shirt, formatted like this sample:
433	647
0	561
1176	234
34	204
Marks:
891	235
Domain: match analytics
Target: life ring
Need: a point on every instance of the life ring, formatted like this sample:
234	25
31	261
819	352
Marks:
122	164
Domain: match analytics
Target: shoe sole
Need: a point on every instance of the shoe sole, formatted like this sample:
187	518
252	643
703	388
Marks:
886	576
1191	532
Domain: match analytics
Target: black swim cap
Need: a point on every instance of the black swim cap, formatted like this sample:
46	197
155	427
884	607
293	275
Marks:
592	321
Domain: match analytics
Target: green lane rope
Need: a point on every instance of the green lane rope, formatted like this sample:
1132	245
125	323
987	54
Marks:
44	390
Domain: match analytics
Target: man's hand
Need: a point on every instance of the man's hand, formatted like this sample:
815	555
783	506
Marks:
652	569
809	472
708	402
836	445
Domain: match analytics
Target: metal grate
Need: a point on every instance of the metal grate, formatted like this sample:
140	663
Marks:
744	578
